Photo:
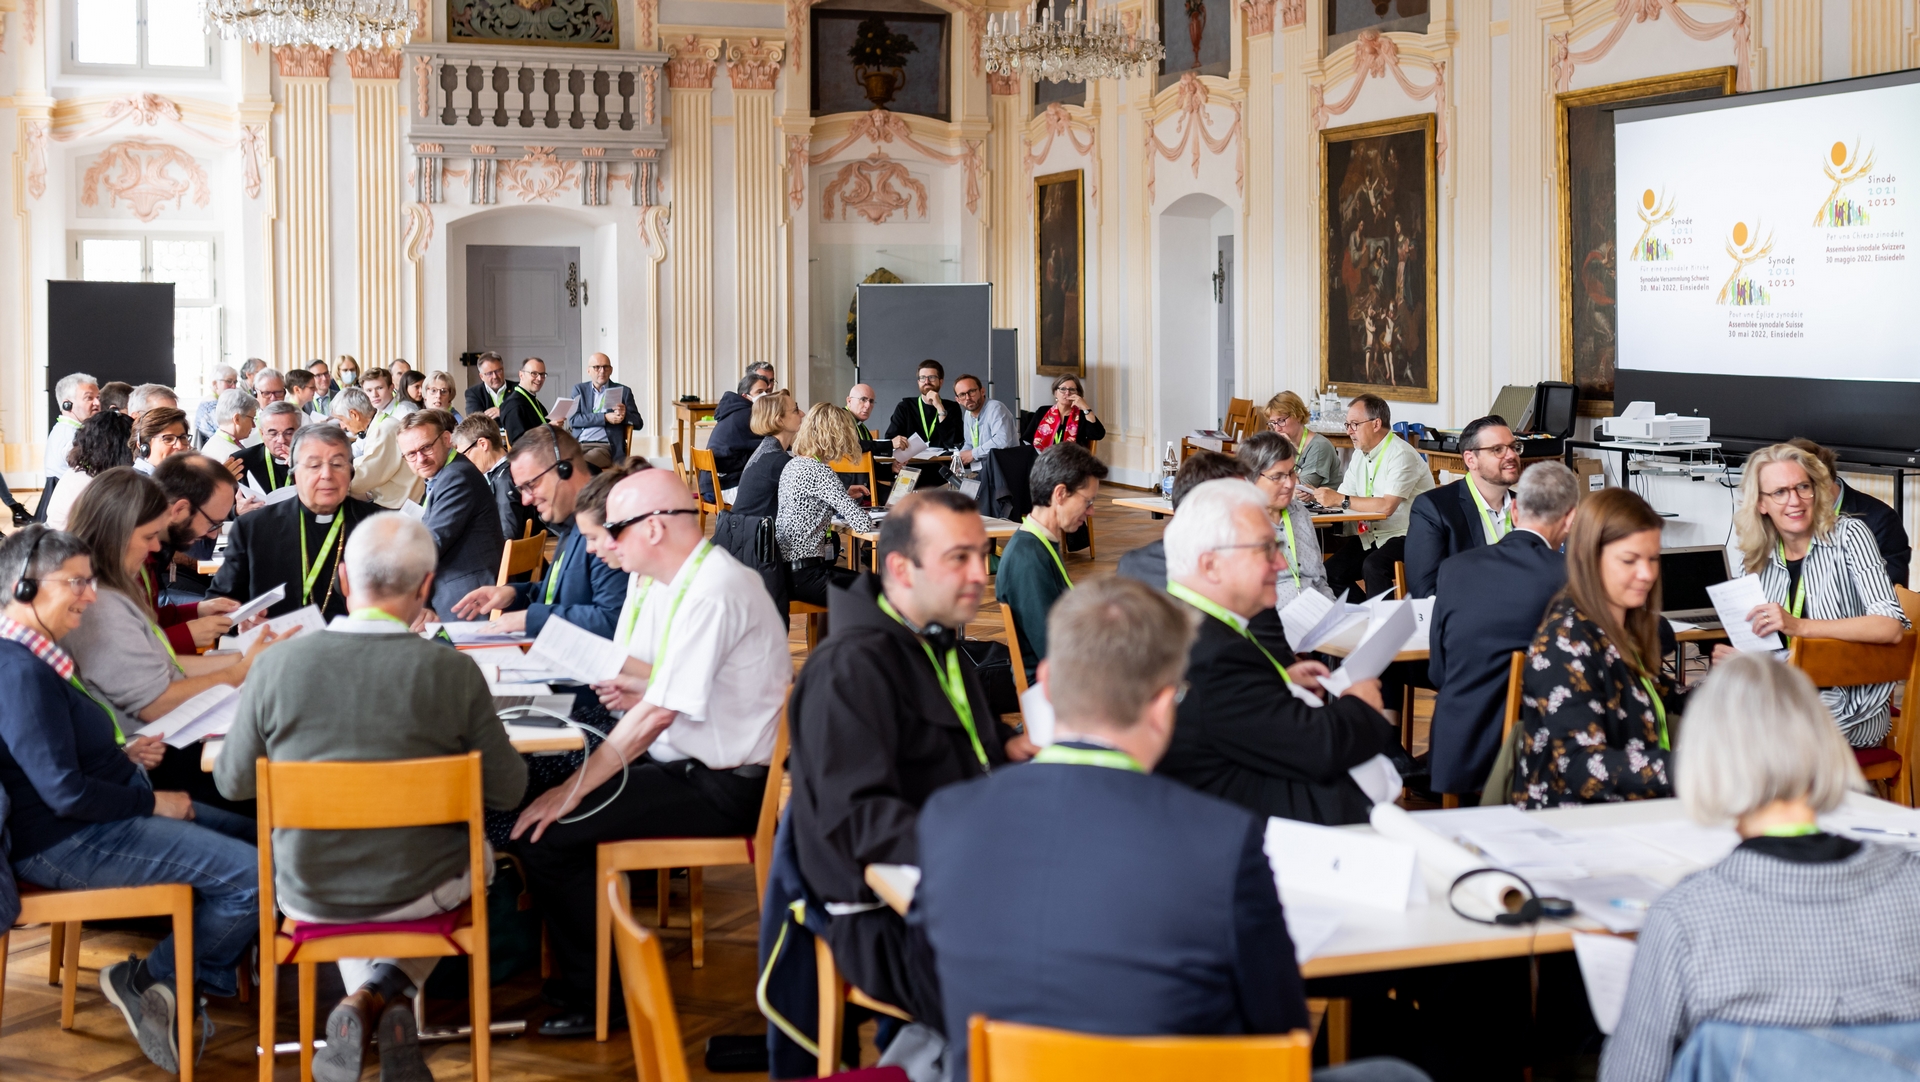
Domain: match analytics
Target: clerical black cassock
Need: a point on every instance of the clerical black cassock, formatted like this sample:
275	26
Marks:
287	543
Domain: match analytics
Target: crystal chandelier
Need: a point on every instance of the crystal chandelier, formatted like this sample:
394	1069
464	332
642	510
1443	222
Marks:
1077	47
330	24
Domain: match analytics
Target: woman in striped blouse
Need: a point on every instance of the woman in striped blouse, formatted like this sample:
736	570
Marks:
1822	575
810	495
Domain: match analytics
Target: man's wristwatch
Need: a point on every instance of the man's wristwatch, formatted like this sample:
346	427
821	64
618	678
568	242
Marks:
1346	502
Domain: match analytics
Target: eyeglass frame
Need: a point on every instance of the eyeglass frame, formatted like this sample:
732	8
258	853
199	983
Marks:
1779	495
1272	545
615	529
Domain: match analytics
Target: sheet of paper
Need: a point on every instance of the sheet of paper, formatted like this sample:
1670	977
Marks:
580	654
219	701
900	880
282	494
259	604
307	619
252	492
464	632
214	723
1037	711
1334	618
414	509
1305	696
504	657
1732	601
1606	961
1695	844
1882	827
1378	779
1302	615
1618	902
1341	864
1391	627
1683	625
904	455
1540	850
1310	924
926	453
562	409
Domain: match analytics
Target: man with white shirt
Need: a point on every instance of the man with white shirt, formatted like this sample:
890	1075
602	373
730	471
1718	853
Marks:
701	697
988	424
1386	474
379	473
79	397
233	416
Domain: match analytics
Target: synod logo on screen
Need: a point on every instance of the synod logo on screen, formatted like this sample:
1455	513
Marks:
1846	167
1654	211
1746	248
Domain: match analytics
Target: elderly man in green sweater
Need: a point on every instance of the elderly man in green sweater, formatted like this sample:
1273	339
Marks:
1033	568
368	688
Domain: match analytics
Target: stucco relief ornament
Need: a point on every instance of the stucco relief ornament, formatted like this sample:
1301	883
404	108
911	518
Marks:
866	187
538	176
146	176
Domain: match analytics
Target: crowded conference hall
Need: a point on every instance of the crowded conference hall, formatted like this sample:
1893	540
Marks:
920	541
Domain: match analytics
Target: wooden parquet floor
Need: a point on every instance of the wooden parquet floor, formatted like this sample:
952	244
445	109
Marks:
716	999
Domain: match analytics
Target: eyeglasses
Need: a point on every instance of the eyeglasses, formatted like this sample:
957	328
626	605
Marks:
1351	425
78	584
1804	490
1496	449
527	488
1270	546
1275	424
931	379
1280	475
599	368
614	529
860	398
424	454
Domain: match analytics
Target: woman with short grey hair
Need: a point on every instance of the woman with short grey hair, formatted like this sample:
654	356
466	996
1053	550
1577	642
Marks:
1794	931
1275	465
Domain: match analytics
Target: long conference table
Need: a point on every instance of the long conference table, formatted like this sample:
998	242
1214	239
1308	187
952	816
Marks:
1161	507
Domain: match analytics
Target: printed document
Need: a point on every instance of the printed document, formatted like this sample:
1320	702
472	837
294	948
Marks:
1732	601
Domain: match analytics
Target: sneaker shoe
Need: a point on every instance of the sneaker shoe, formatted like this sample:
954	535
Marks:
347	1030
400	1058
149	1015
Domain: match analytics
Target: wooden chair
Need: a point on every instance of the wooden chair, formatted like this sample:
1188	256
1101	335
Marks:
615	859
835	994
652	1023
1515	671
524	556
372	796
1238	423
1832	663
1011	1052
1013	647
703	463
64	910
1400	579
679	460
813	613
863	464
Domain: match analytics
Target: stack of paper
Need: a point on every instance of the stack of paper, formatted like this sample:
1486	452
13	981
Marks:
466	632
208	714
258	605
915	445
278	495
1618	903
1312	618
307	619
562	409
578	653
1390	626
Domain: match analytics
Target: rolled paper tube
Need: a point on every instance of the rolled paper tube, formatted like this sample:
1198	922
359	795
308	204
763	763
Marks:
1442	861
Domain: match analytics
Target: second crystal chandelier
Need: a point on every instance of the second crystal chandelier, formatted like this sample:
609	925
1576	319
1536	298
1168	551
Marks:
1077	47
330	24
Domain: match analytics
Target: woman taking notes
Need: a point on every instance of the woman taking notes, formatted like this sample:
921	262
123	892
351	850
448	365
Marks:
1595	707
1822	575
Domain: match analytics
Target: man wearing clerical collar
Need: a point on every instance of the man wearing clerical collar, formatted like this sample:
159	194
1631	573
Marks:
298	542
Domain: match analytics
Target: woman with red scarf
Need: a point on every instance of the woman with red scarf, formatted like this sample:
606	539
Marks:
1070	420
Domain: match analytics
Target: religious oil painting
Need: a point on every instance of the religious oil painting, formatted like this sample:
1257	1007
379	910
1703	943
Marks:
894	60
1377	285
590	24
1589	261
1198	35
1060	272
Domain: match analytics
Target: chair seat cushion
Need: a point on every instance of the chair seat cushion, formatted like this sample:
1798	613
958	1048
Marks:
1867	757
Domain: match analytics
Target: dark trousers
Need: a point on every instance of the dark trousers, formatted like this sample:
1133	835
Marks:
810	581
661	800
880	955
1351	563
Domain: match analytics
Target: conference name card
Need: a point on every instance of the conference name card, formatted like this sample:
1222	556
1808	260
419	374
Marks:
1343	864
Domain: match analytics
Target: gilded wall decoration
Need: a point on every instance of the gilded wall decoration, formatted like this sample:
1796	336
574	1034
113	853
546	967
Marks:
146	176
591	24
1378	283
538	176
866	187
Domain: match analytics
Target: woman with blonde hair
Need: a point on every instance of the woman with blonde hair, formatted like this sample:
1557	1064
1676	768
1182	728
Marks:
1319	462
437	393
810	495
1796	950
1822	574
1595	706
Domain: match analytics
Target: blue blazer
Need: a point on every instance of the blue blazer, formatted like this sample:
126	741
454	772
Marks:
584	417
1491	601
466	529
1443	522
1144	907
588	595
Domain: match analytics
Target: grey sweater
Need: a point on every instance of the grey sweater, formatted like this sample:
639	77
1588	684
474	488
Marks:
366	693
1760	941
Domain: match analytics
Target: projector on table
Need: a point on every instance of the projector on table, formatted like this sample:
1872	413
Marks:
1639	424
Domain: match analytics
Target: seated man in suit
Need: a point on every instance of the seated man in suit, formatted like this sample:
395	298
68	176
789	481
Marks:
520	409
1895	546
927	415
266	465
479	441
603	414
298	542
460	511
549	472
1242	734
485	398
1490	603
1145	908
1033	573
301	710
1465	514
1148	563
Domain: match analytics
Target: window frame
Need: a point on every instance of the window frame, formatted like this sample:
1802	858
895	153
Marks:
215	301
71	64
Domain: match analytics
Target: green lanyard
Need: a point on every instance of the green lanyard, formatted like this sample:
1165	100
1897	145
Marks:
311	569
1496	528
926	427
1040	535
553	576
660	652
272	482
1798	603
1293	560
1792	830
118	736
951	683
1379	460
1113	760
378	614
537	408
147	581
1227	618
630	614
600	401
68	421
1659	712
975	425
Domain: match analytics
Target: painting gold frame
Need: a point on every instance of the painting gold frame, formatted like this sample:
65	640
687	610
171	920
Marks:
1422	122
1077	178
1721	79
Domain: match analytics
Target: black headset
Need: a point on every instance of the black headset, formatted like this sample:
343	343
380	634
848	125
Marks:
563	469
1531	911
66	407
26	589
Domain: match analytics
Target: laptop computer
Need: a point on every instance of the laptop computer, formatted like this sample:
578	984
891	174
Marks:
903	483
1685	574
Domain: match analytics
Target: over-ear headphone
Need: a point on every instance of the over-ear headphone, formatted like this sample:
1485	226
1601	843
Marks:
25	590
564	468
66	407
1533	909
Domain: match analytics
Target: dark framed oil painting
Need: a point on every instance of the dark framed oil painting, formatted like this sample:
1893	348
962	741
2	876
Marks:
1060	273
1198	35
580	24
1589	259
1378	284
894	60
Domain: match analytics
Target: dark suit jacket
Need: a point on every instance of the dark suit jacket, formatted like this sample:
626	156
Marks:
1895	547
1445	522
588	595
263	551
1241	735
520	411
479	401
465	524
1148	563
514	516
255	460
907	417
1490	603
1145	907
584	416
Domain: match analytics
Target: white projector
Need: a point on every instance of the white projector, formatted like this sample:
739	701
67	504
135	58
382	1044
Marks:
1640	424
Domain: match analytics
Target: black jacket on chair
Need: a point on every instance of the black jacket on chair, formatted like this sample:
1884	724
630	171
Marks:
1895	547
1445	522
1491	602
1241	735
1004	492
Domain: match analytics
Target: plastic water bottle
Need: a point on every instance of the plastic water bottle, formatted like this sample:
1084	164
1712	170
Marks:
1169	465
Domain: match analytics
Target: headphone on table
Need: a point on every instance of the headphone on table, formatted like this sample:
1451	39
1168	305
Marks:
26	589
1531	911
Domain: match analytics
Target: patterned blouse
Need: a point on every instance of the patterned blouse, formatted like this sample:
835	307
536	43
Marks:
810	494
1592	735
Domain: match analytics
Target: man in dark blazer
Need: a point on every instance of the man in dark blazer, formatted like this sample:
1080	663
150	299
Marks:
1145	908
520	408
1148	563
1896	548
298	542
490	394
1490	603
266	465
459	509
578	587
1242	735
478	440
1476	510
603	414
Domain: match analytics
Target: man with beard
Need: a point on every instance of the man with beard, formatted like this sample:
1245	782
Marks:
298	542
200	495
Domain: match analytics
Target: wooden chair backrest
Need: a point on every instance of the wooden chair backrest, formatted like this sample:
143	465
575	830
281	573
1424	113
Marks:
770	805
1515	670
1400	579
652	1022
1239	420
1900	737
703	462
863	464
524	555
1013	647
1011	1052
679	459
1830	663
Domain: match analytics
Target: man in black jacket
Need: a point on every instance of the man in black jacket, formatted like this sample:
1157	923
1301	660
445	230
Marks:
887	711
1476	510
490	394
520	408
1490	603
459	509
1148	563
932	418
1241	733
298	542
1895	546
478	440
266	465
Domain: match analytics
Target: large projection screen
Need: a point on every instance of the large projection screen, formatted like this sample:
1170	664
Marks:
1766	274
